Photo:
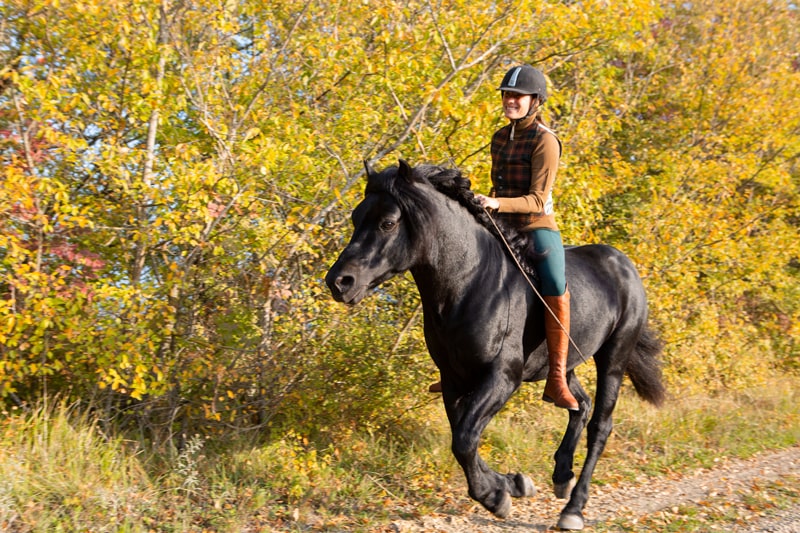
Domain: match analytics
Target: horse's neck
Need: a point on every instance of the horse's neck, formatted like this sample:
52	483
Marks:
462	256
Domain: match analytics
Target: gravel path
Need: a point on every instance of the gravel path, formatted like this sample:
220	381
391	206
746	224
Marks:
715	489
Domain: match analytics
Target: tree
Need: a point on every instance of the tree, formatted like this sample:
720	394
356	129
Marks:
178	177
709	191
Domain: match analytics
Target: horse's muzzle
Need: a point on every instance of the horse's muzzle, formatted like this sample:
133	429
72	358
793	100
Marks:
342	286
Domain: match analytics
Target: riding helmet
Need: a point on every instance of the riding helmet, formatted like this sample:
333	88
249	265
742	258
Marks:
525	79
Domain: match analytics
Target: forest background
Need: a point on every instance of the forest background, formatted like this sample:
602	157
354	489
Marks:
178	176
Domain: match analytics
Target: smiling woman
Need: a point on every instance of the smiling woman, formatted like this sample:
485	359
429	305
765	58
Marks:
525	159
516	106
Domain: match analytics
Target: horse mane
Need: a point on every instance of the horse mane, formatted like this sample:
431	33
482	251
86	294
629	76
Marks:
451	183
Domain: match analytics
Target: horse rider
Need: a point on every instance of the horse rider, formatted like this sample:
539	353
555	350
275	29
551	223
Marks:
525	156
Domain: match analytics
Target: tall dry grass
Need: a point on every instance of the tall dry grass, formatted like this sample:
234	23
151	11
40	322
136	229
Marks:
60	472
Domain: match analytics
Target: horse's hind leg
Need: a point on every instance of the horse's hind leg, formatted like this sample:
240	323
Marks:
563	476
597	432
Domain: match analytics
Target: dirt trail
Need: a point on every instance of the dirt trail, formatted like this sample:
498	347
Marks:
725	484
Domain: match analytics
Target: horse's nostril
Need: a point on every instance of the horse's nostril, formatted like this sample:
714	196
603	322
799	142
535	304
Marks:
344	282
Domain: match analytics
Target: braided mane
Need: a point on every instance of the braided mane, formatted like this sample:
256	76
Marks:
452	184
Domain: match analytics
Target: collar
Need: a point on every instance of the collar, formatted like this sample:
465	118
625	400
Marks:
523	124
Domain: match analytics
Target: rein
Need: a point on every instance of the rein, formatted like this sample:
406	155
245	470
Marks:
535	290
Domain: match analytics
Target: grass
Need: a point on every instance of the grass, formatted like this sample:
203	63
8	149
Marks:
60	472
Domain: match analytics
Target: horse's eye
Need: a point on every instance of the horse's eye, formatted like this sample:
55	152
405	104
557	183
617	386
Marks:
388	225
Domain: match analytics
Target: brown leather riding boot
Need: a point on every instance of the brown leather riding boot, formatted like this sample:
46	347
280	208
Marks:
435	387
556	389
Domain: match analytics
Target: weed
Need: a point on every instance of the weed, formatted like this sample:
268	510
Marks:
187	463
59	471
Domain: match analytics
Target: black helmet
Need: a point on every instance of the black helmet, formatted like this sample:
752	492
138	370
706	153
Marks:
525	79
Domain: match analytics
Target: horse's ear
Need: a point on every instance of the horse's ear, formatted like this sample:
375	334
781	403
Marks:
405	171
368	169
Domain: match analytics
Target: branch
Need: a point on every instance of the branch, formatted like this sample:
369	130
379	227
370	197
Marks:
462	64
150	149
271	68
23	132
441	36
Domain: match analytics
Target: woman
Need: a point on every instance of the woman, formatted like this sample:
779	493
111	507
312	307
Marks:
525	156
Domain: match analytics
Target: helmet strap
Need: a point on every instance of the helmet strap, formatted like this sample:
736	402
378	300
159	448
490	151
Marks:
534	105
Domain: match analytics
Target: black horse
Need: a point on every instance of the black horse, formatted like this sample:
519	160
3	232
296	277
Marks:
484	324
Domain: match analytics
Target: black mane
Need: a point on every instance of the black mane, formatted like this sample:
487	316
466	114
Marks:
451	183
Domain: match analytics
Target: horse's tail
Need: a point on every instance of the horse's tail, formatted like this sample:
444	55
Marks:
644	368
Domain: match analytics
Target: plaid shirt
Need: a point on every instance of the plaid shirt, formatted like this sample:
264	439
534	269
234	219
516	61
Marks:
523	172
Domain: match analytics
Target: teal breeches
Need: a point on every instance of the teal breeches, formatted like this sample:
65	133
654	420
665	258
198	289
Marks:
551	269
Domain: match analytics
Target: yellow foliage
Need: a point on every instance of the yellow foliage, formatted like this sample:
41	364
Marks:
174	188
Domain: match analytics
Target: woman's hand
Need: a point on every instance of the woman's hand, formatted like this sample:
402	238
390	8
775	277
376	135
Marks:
488	202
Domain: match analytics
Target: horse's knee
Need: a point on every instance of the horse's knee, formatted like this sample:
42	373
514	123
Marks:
464	446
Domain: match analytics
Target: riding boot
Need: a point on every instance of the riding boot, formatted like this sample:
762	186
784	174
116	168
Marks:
556	389
435	387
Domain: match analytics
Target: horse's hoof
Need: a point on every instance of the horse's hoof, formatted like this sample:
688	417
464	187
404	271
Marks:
504	507
525	485
571	522
563	490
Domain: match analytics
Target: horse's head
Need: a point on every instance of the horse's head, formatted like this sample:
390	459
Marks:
384	241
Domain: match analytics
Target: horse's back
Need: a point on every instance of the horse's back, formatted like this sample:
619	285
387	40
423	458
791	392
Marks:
601	268
607	294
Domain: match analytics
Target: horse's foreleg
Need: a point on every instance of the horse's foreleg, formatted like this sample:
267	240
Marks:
469	415
563	476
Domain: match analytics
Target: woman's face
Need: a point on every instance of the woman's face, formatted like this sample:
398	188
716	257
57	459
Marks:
515	105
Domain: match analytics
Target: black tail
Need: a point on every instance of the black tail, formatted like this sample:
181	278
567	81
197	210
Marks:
644	368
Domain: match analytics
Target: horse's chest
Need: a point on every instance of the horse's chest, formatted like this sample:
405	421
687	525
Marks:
471	338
